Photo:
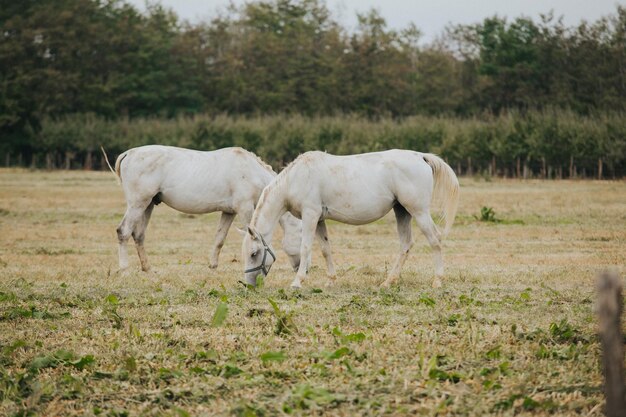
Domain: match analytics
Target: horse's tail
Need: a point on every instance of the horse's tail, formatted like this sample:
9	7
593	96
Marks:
446	189
115	171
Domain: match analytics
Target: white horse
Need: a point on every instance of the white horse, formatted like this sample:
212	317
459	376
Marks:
229	180
354	189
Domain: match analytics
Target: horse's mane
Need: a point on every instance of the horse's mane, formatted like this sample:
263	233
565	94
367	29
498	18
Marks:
261	162
290	164
276	182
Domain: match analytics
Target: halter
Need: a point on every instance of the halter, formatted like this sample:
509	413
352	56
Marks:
262	267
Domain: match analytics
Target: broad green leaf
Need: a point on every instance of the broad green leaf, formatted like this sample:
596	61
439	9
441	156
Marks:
112	299
426	300
230	370
273	356
83	362
130	364
342	351
220	315
274	306
181	412
7	350
64	355
442	375
355	337
42	362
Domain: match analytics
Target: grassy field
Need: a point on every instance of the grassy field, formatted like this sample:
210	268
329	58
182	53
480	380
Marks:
512	331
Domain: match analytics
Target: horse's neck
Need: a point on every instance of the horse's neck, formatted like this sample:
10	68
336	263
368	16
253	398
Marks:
270	212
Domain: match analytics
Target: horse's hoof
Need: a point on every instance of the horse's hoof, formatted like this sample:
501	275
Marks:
213	266
123	272
437	283
331	282
389	281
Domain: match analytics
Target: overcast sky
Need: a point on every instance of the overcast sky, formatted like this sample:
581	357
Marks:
430	16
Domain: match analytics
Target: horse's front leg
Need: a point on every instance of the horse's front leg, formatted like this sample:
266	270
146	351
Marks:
226	220
309	225
322	235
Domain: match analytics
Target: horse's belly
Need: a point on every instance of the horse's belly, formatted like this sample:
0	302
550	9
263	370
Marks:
356	207
195	204
350	215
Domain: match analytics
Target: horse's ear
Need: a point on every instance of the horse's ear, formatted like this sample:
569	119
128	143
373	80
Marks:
251	233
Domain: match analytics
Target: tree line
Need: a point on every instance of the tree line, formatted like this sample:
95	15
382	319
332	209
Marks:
543	144
516	93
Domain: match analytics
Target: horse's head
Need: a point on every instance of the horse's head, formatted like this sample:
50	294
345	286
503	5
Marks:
258	256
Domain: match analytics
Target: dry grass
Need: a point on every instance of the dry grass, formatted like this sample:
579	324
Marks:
511	332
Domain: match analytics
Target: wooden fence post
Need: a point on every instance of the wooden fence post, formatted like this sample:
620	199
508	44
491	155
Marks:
609	314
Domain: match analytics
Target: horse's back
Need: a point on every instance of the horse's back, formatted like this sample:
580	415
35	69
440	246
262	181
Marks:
173	161
354	189
193	181
362	168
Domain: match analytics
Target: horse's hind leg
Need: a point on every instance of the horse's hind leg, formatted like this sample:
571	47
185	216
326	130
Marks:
226	220
139	233
125	230
428	227
322	235
403	224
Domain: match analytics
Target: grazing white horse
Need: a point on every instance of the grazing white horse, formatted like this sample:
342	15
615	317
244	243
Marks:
229	180
354	189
